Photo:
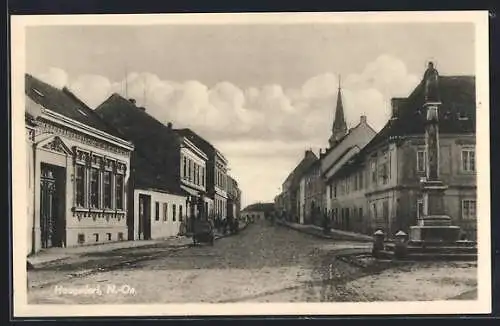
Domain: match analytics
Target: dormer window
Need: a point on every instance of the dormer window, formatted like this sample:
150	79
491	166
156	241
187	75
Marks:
82	112
38	92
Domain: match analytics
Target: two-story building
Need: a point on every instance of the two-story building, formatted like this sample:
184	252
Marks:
220	185
293	197
216	173
314	205
233	198
78	171
168	171
379	188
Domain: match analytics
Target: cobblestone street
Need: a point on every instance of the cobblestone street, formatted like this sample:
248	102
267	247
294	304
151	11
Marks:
261	264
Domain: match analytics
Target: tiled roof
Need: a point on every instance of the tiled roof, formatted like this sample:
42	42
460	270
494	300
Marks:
155	158
63	102
341	156
458	97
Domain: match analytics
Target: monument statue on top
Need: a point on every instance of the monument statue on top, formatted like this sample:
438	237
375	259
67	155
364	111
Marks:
433	236
431	80
434	225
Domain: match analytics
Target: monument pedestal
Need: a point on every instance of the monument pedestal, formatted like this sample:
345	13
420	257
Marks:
436	225
434	237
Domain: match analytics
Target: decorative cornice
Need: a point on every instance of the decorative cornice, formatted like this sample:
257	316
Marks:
83	213
195	149
93	132
56	145
221	157
47	125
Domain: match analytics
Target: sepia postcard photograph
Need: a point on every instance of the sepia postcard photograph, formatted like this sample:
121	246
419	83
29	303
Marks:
251	164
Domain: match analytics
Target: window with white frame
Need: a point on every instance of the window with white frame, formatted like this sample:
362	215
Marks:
94	188
119	192
184	167
190	172
174	216
373	166
99	181
421	160
468	160
80	185
469	209
165	211
180	213
107	189
420	208
157	211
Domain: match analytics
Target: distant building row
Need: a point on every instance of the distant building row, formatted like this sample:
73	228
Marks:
115	173
366	180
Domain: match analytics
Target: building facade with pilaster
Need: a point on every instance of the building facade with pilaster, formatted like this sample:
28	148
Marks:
78	171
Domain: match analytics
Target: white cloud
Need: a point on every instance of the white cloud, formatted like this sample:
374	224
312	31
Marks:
258	120
92	88
55	77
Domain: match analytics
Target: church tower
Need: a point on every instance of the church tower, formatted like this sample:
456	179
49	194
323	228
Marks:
339	128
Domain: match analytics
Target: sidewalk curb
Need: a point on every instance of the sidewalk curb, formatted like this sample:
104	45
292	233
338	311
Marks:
35	266
331	236
111	267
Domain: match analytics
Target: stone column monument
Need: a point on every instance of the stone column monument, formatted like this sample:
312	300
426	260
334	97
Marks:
434	225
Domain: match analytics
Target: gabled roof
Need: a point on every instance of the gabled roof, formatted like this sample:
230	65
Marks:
458	98
349	132
341	156
155	158
63	102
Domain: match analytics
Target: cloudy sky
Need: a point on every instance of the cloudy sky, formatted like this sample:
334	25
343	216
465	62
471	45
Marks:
262	94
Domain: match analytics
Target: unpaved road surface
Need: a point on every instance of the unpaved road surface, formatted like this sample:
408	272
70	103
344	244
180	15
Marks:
261	264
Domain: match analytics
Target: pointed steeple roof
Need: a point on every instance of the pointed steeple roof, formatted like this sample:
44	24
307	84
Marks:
339	127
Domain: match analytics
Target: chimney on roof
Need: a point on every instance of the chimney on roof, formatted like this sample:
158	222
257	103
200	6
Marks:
362	119
395	105
169	125
131	100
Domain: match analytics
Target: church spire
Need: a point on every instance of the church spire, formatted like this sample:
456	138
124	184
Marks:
339	128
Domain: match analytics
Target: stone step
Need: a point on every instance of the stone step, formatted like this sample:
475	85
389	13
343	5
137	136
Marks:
451	250
459	243
441	256
435	248
431	256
